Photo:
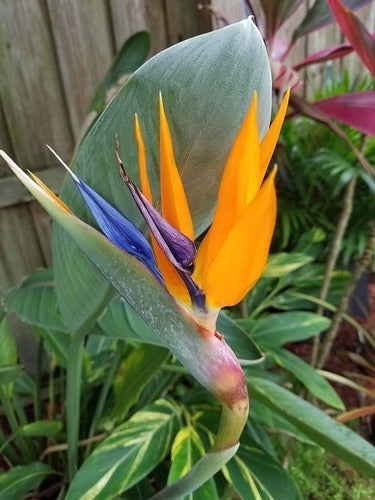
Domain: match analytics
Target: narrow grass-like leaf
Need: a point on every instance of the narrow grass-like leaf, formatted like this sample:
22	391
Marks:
308	376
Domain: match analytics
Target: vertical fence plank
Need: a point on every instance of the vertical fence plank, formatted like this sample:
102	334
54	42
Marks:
130	16
83	39
185	20
19	249
233	11
30	87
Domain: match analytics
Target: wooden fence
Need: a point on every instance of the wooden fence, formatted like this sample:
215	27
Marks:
53	54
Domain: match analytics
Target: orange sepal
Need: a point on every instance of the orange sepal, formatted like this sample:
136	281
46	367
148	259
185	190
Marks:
242	257
174	205
268	144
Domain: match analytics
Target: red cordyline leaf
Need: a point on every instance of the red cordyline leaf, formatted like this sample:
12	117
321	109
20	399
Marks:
356	32
356	109
327	54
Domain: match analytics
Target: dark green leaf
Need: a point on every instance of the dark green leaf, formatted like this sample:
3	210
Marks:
277	329
244	347
35	301
131	56
47	428
8	373
134	373
310	378
8	353
21	479
326	432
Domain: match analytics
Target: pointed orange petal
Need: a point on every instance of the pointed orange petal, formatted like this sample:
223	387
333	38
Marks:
174	283
241	181
47	190
268	144
173	199
145	184
243	255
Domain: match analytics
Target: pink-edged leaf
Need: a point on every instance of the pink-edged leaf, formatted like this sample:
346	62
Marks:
278	48
356	109
327	54
356	32
284	77
320	15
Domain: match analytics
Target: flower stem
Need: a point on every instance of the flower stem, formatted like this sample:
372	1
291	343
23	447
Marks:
73	391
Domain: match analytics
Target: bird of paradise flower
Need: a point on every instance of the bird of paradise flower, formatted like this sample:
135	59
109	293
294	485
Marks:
228	262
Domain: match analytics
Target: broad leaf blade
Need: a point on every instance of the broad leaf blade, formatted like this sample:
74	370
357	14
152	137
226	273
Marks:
131	56
35	300
134	373
207	83
128	455
326	432
275	330
19	480
356	110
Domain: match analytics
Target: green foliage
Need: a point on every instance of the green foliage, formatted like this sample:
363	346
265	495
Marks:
320	477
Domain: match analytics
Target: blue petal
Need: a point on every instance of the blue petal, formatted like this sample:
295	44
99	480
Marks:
118	229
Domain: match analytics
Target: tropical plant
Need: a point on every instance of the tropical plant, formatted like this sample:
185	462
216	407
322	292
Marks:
129	355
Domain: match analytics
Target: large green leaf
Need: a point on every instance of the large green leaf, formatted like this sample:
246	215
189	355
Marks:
134	373
128	454
35	300
310	378
207	83
131	56
326	432
187	449
15	483
283	263
277	329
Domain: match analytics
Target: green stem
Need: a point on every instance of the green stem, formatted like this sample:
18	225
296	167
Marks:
104	393
73	393
38	382
232	422
13	424
9	452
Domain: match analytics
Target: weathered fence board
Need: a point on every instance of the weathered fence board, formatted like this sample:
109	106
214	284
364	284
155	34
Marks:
84	48
30	87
